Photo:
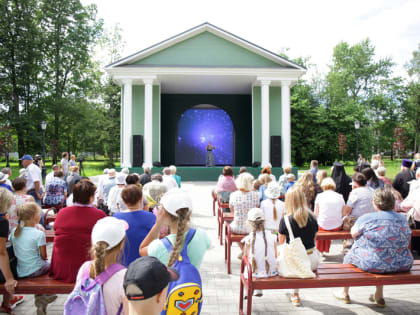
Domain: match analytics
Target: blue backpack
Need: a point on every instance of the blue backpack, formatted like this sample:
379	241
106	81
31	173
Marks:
185	294
87	297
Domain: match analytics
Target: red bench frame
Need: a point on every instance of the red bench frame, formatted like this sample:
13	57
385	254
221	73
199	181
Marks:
338	235
221	218
327	276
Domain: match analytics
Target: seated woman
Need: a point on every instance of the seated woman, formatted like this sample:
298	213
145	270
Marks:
329	212
225	185
372	180
140	222
56	191
73	227
241	202
381	243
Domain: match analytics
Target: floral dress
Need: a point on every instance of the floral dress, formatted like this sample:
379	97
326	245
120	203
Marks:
382	246
18	200
242	202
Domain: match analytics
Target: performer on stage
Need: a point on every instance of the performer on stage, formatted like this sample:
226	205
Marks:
210	156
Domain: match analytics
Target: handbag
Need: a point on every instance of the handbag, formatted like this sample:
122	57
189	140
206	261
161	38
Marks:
410	219
348	222
293	261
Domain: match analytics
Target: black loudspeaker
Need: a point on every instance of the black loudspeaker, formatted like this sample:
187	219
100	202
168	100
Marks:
137	150
157	164
256	164
275	152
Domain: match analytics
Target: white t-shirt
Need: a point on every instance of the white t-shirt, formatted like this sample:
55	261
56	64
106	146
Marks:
259	253
115	202
267	207
113	290
65	165
330	206
360	200
33	174
49	177
169	182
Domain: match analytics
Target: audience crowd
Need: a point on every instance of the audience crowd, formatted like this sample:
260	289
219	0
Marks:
137	227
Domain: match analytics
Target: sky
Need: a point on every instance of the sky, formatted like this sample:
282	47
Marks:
305	27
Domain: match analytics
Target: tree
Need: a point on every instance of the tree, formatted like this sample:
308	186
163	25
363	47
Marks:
412	104
70	31
19	53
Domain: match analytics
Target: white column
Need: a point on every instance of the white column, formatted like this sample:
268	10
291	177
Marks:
127	123
265	122
285	123
148	122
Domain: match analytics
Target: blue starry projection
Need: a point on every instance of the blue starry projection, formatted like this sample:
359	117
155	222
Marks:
196	128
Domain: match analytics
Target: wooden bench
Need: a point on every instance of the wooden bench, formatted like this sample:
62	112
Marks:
327	276
50	235
229	239
41	285
323	235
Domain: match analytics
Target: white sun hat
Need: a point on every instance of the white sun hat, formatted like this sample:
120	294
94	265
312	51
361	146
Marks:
176	199
256	214
273	190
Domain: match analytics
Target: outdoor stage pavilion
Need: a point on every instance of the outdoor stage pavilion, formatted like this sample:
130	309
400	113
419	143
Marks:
205	85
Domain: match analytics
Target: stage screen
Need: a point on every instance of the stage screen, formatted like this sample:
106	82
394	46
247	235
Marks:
198	126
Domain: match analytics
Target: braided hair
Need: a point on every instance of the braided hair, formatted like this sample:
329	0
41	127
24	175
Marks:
99	253
258	226
182	220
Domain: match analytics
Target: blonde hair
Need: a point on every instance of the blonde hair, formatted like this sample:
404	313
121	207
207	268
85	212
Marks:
381	171
328	184
264	179
258	226
320	176
297	206
244	182
306	182
6	199
287	169
74	168
25	213
182	220
173	169
274	209
99	253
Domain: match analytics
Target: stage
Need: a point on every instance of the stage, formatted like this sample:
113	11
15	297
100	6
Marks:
201	174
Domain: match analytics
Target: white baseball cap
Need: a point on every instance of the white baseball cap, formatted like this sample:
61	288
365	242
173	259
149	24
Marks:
109	230
256	214
176	199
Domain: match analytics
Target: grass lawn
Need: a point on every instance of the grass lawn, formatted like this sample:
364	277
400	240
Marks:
392	168
90	168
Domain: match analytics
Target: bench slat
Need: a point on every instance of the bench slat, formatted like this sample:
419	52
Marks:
41	285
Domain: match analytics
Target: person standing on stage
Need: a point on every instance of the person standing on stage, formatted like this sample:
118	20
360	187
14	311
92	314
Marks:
210	156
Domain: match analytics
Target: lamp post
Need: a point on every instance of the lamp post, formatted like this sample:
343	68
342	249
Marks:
357	126
43	127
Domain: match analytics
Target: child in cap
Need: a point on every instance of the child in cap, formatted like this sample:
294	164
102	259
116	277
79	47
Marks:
108	236
175	212
146	285
272	207
260	247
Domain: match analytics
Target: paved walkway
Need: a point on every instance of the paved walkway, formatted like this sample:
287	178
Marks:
221	291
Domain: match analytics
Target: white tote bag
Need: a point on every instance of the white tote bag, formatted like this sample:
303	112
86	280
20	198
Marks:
293	260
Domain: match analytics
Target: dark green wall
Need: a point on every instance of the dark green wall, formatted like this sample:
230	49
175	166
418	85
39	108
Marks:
237	106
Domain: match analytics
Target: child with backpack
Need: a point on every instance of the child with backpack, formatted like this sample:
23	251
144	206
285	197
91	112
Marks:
272	207
30	247
99	285
260	247
183	250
